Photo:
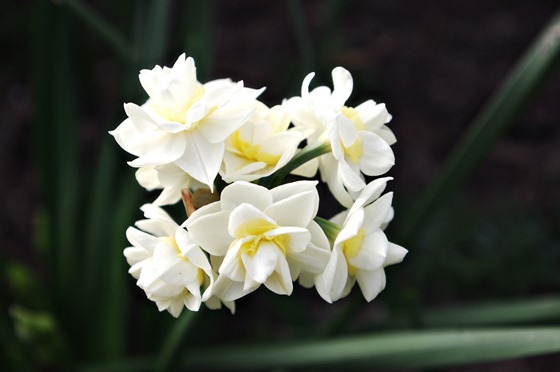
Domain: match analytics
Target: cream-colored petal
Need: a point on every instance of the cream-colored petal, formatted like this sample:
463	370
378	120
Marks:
371	282
377	157
376	212
244	192
210	232
260	265
201	159
343	85
395	254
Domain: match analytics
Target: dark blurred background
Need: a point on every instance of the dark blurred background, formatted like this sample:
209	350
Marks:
433	63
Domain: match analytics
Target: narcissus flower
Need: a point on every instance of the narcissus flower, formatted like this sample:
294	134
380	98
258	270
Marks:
170	267
359	139
260	146
184	122
168	177
261	236
361	249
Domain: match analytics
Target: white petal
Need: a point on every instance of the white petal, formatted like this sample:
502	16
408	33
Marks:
395	254
244	192
371	282
260	265
240	216
373	115
171	269
228	290
387	135
156	213
351	178
211	232
232	266
192	302
305	85
351	227
223	122
147	177
296	210
331	282
343	85
280	282
346	132
377	157
201	159
311	260
287	190
296	238
140	239
372	254
376	212
371	192
165	149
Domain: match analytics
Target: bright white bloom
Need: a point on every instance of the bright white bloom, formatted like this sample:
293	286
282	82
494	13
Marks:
260	236
260	146
170	267
359	139
361	249
184	122
168	177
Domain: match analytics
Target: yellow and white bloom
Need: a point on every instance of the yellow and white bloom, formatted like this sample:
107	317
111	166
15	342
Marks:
260	146
168	177
359	137
361	249
184	122
260	236
170	267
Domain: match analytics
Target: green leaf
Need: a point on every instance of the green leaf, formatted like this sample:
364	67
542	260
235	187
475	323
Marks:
395	350
501	111
112	36
199	35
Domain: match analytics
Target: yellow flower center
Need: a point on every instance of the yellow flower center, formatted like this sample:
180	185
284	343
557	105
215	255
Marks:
256	230
350	249
252	152
179	114
355	150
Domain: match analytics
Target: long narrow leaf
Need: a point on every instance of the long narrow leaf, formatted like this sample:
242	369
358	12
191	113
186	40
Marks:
111	35
396	350
500	112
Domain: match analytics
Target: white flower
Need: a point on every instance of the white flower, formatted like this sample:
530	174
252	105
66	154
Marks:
168	177
170	267
260	236
184	122
359	139
260	146
361	249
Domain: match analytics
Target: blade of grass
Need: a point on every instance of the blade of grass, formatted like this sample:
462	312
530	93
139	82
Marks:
101	27
395	350
503	107
157	27
55	133
486	314
199	35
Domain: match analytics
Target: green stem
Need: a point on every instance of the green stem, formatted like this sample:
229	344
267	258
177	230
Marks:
308	153
331	229
169	350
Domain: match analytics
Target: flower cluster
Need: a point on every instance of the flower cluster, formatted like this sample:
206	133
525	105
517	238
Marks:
226	154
